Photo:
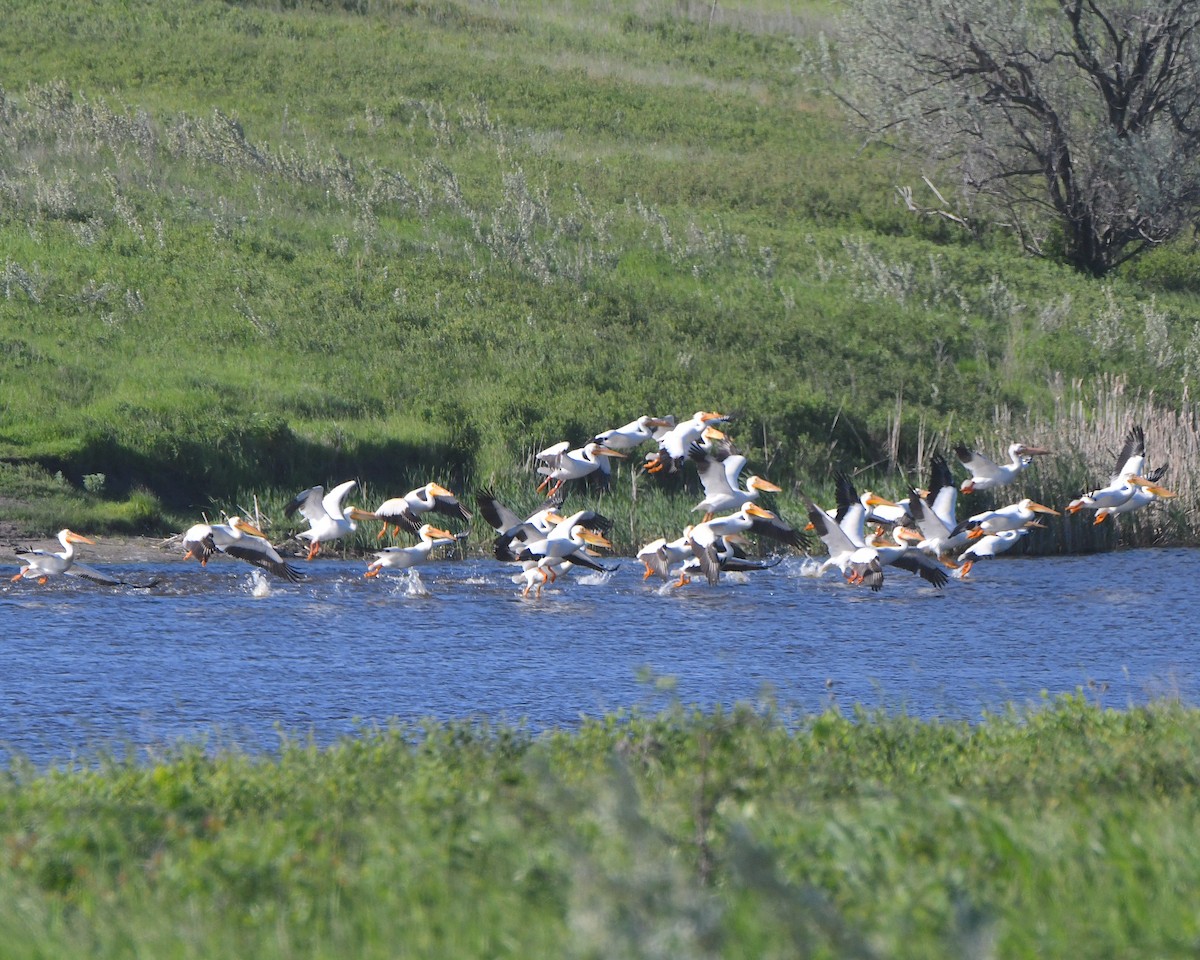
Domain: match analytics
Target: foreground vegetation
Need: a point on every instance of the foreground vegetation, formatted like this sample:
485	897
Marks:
1070	830
253	246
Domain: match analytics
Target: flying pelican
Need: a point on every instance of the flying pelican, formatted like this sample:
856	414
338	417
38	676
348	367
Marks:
327	516
673	446
239	539
401	558
559	463
512	533
41	565
634	433
1143	496
1012	517
750	518
986	474
1125	482
406	511
720	469
567	541
991	545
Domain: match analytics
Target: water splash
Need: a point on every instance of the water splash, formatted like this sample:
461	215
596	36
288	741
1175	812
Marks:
414	586
260	586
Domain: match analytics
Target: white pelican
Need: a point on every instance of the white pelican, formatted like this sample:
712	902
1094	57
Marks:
750	518
406	511
673	446
1012	517
327	516
512	533
987	474
731	558
658	556
567	541
241	540
1125	482
401	558
634	433
1143	495
41	565
560	464
720	469
991	545
938	538
860	562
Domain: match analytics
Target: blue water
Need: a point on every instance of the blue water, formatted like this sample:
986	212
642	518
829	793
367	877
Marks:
221	655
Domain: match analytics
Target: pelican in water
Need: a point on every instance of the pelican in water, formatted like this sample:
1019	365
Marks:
406	512
986	474
730	557
560	464
401	558
239	539
861	562
751	518
673	446
720	470
1012	517
41	565
513	532
659	556
567	541
328	517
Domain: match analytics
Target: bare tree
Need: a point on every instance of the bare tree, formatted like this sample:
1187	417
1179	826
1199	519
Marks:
1075	122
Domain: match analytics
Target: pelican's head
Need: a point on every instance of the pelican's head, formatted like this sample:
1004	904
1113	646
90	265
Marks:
429	532
600	450
70	536
246	527
759	483
754	510
1153	487
1039	508
1024	450
437	490
968	486
1075	505
589	536
355	514
872	499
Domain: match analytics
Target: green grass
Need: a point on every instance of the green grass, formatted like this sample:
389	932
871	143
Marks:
1067	830
257	246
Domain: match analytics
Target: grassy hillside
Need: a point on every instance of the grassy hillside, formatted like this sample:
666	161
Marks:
249	247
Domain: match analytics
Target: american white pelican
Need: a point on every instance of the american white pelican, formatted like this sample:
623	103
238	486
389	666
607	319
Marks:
239	539
861	562
720	470
567	541
41	565
986	474
673	446
751	518
328	517
938	538
1012	517
512	533
401	558
1143	495
731	558
658	556
406	512
634	433
1125	482
992	545
560	464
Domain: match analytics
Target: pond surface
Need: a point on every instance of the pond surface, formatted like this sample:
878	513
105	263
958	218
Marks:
222	654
